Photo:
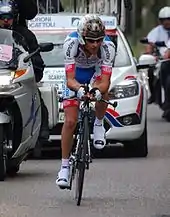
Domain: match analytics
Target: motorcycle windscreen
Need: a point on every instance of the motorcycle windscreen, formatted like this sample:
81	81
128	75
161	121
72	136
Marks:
11	47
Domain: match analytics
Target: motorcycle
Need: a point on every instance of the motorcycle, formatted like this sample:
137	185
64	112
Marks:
157	67
20	108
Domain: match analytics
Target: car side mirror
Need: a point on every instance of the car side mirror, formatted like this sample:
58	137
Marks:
144	41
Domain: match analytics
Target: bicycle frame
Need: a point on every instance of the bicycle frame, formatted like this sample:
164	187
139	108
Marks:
85	111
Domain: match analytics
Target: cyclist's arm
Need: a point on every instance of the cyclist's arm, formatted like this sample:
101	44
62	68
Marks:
70	49
72	83
106	69
104	83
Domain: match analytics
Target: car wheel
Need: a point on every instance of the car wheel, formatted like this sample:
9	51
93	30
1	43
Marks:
138	147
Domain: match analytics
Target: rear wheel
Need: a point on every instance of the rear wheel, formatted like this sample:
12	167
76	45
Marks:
2	155
82	159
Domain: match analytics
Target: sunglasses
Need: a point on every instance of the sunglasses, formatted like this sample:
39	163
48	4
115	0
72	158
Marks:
164	19
94	40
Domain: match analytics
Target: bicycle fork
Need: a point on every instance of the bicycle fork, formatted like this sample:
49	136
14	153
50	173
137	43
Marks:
88	155
72	163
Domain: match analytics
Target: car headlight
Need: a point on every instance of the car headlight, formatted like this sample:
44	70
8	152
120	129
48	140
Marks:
124	90
6	83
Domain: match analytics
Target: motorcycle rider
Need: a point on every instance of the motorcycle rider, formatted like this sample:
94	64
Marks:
161	33
27	10
89	57
11	19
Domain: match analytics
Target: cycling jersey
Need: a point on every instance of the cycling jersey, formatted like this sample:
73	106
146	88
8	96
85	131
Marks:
87	68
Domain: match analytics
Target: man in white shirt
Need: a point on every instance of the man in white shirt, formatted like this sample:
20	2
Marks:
161	33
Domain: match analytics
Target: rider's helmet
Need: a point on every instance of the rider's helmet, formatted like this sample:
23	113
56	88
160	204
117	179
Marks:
90	27
8	12
164	13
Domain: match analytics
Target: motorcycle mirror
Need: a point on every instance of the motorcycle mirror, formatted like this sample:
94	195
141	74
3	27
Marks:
144	41
43	47
160	44
46	47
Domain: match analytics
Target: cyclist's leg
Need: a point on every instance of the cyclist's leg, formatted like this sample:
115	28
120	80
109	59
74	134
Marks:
71	116
100	107
99	141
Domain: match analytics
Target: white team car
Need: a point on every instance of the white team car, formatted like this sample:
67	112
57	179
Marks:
127	124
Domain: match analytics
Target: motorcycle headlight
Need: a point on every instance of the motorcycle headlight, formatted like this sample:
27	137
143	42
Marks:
124	91
6	83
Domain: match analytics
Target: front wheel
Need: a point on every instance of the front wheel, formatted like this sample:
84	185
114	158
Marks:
82	159
2	155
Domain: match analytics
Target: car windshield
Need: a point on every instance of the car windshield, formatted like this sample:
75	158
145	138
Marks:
11	47
56	56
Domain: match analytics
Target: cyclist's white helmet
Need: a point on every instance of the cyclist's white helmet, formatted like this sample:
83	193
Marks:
90	27
164	13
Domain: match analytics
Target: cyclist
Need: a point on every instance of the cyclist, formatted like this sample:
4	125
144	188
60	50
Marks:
89	58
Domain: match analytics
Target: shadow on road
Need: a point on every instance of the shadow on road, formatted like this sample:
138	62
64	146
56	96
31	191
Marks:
108	152
31	175
155	151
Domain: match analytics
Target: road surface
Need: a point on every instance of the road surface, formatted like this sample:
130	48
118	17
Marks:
114	187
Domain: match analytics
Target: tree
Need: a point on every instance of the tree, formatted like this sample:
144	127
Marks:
158	4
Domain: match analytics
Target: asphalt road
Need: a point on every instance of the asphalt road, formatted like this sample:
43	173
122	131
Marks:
114	187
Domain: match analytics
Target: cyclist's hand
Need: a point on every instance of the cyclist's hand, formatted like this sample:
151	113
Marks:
81	92
95	93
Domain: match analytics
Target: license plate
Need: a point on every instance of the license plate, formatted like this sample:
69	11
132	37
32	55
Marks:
54	75
61	117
